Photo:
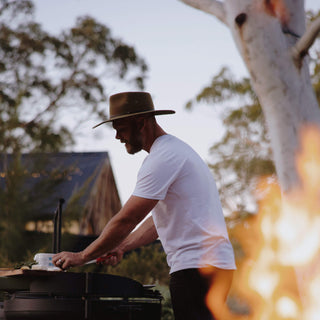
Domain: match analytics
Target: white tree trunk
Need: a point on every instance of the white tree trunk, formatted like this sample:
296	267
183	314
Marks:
266	33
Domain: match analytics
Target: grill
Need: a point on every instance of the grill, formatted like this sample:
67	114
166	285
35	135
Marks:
36	294
51	295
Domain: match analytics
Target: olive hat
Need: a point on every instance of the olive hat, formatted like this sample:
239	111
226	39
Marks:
129	104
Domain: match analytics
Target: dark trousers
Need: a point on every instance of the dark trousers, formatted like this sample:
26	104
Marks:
188	290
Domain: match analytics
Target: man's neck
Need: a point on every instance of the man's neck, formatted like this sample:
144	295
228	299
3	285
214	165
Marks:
151	134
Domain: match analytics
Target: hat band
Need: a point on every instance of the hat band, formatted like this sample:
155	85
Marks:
131	112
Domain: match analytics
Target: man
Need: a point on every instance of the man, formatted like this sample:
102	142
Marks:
177	186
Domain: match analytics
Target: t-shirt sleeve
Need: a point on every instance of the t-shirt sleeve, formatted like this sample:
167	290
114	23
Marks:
155	177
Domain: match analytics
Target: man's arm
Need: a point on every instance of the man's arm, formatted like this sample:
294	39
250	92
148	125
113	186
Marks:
146	233
116	230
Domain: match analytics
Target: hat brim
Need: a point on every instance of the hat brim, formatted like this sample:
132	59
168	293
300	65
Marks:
154	112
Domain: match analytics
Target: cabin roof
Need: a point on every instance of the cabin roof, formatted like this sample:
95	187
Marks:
74	169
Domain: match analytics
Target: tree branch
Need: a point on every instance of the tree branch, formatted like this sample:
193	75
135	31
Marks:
213	7
302	47
62	91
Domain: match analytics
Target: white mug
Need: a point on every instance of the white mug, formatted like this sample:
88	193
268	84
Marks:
44	262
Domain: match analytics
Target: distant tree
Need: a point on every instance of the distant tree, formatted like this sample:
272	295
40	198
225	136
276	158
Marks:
25	197
147	265
274	43
314	56
12	214
244	153
49	84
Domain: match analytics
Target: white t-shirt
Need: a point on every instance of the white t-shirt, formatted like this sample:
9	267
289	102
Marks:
188	217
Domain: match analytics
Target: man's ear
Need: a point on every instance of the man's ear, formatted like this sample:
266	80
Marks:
141	123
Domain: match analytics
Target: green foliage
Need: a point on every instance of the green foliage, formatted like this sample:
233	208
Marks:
167	311
314	56
44	78
147	265
22	193
74	206
244	153
13	212
49	85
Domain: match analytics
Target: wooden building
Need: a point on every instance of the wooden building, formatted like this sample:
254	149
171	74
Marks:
84	180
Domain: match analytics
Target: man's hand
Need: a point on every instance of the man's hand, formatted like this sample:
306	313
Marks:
116	234
65	260
112	258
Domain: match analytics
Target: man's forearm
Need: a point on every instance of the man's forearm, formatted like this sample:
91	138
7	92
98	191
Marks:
119	227
112	235
144	234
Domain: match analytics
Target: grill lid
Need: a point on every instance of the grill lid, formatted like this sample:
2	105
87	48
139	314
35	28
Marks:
79	284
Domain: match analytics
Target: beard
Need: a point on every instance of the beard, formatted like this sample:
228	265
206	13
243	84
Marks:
134	144
133	148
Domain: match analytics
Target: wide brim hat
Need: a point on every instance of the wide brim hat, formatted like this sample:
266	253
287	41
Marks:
129	104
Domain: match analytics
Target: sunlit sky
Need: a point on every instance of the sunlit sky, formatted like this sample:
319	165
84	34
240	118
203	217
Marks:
183	47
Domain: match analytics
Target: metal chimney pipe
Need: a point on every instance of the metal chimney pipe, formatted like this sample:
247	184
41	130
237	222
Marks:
57	227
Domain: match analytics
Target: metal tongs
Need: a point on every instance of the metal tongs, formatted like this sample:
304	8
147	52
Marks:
101	259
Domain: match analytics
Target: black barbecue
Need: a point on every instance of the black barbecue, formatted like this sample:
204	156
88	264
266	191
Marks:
67	296
54	295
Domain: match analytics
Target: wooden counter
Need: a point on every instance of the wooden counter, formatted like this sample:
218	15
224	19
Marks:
27	272
12	280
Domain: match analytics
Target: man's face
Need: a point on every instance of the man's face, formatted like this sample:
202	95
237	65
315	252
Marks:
127	132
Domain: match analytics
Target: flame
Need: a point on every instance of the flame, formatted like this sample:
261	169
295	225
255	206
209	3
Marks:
280	277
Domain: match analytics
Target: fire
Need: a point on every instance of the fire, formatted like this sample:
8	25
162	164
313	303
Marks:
280	277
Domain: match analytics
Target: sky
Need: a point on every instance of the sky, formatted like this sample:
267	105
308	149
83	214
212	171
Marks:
183	48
